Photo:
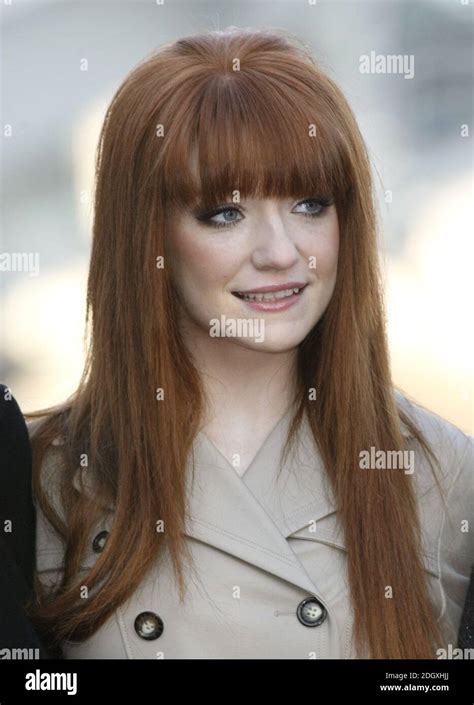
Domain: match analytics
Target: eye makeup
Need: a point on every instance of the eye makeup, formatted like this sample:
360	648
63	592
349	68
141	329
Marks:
206	217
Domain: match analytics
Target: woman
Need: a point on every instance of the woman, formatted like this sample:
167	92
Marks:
236	476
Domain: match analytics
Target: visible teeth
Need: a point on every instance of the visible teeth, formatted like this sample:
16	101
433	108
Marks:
270	296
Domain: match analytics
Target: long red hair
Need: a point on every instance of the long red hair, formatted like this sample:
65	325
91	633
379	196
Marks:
267	121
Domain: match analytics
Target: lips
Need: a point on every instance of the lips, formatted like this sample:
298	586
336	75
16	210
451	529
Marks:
271	293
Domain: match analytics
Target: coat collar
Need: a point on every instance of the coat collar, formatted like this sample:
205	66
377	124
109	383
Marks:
251	516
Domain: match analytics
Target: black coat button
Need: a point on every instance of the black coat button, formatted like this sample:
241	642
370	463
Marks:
99	542
149	626
311	612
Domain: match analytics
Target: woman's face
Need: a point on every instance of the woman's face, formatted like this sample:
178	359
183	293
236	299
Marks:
254	244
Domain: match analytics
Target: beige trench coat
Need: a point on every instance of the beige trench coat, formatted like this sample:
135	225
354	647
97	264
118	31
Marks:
271	558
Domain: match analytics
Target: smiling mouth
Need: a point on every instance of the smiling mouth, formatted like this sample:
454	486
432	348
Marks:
269	296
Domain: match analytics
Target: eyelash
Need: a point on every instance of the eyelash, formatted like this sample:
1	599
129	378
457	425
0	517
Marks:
205	218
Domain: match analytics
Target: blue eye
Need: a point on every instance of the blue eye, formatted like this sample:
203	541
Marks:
316	206
227	214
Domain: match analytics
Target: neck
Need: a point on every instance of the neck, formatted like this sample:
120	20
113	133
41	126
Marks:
240	382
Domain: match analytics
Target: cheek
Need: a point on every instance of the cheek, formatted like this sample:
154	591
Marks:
198	261
324	246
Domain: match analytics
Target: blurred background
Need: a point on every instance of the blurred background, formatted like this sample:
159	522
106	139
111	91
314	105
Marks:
63	60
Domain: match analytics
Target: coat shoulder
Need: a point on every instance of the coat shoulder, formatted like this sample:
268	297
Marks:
452	447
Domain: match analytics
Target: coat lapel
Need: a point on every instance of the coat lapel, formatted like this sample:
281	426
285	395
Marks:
251	516
224	511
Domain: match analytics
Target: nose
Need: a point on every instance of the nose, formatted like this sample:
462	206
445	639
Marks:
274	246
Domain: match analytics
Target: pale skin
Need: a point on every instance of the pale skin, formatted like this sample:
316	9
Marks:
249	384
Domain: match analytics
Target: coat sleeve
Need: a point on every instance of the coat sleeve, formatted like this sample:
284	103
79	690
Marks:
447	519
17	544
16	504
456	539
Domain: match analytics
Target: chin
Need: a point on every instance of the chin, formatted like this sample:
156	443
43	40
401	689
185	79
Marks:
271	344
